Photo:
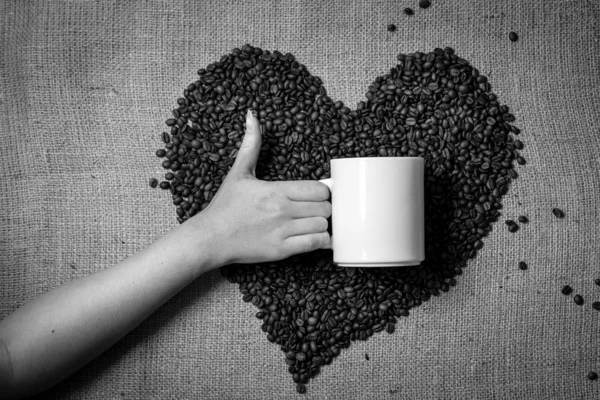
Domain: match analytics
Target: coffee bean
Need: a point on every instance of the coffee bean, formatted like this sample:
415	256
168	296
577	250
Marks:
558	213
523	219
513	228
596	305
165	185
597	281
578	300
513	36
391	28
566	290
408	11
522	265
153	182
390	328
160	153
424	4
592	376
301	388
165	137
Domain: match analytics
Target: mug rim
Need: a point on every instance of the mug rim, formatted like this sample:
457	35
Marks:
376	158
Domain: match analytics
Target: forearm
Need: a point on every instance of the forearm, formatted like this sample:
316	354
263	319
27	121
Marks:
60	331
247	221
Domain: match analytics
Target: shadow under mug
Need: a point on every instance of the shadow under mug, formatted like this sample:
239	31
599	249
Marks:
378	214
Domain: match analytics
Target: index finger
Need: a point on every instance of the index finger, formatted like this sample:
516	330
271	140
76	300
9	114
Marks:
305	190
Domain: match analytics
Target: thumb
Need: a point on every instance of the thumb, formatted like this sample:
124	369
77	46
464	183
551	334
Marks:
247	156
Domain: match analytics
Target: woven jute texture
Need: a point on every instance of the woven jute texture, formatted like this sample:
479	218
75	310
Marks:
85	88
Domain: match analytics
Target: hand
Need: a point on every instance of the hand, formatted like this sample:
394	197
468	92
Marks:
257	221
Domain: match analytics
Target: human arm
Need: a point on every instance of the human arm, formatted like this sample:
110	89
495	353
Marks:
248	221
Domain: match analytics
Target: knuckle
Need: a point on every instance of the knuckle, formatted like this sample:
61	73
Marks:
273	202
282	206
276	207
274	249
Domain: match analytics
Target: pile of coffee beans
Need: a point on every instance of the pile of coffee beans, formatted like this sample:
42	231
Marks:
433	105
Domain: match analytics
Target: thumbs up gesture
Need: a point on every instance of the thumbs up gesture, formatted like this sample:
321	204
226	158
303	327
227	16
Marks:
255	221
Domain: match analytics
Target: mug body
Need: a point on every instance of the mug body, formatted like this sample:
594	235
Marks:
378	211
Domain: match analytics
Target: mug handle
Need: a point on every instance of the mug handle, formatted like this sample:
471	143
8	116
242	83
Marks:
329	183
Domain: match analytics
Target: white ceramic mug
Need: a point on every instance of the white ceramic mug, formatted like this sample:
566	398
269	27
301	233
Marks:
378	211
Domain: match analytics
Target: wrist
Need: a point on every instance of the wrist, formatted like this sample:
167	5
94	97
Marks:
197	245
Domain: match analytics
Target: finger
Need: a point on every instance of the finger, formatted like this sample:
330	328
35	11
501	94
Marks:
305	209
305	226
306	243
305	190
329	245
247	156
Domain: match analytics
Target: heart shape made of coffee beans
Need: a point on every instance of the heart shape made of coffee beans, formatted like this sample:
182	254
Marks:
433	105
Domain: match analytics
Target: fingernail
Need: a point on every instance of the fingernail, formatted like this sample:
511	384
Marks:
249	117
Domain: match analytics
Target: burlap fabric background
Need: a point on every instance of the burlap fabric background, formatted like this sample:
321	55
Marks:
85	88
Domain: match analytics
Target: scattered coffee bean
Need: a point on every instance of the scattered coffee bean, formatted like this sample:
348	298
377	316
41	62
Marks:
597	281
391	28
592	376
367	357
566	290
523	219
596	305
424	4
521	160
160	153
408	11
513	228
558	213
578	300
309	306
301	388
153	182
522	265
513	37
509	222
391	327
